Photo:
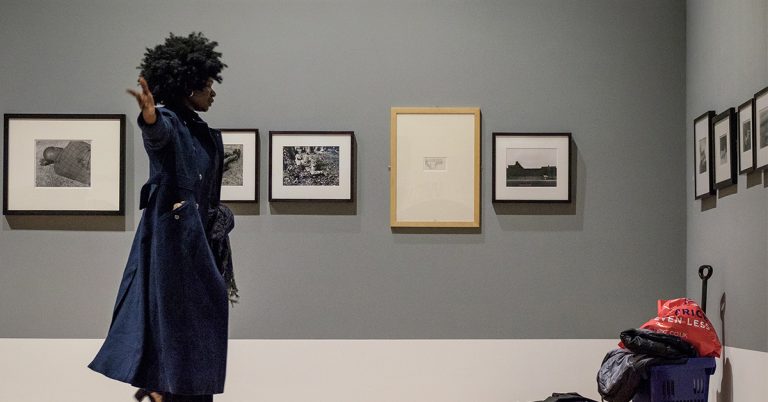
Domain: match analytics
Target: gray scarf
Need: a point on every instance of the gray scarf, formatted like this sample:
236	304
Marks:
223	221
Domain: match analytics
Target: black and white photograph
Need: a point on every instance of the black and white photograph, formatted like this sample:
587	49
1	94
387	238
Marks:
233	165
724	148
532	167
703	155
64	164
760	128
724	127
240	179
311	165
746	136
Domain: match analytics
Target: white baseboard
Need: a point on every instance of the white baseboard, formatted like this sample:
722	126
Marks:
742	375
54	370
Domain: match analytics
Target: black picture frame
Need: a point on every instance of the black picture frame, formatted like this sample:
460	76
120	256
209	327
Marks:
761	129
86	184
703	178
305	184
746	137
554	149
246	187
724	128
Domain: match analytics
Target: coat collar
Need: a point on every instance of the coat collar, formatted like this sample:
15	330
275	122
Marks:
185	114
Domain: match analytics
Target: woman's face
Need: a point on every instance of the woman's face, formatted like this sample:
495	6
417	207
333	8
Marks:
202	99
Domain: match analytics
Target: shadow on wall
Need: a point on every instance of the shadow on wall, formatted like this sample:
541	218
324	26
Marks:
74	223
100	223
753	179
526	216
725	394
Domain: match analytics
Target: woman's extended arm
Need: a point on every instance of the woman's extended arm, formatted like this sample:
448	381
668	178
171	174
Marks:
155	135
146	101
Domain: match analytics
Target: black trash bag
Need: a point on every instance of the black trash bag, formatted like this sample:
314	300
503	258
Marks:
569	397
656	344
623	371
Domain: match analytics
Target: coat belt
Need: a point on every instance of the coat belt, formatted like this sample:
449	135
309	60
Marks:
165	179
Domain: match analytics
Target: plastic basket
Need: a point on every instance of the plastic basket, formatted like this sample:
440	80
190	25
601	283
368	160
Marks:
687	382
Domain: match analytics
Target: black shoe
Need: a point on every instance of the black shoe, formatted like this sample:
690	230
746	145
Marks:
143	393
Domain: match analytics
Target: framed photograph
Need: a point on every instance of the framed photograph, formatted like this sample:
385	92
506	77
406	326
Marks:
761	129
531	167
240	181
746	136
435	167
724	128
702	152
311	165
64	164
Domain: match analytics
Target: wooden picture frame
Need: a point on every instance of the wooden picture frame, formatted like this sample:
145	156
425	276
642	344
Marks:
64	164
435	167
532	167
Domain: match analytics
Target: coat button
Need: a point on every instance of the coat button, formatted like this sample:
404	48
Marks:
176	217
200	176
197	205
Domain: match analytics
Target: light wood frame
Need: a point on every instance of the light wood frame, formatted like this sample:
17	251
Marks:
436	120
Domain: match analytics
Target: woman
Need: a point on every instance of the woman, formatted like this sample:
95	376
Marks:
169	327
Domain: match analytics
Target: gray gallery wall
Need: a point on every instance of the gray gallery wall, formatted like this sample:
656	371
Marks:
727	64
611	72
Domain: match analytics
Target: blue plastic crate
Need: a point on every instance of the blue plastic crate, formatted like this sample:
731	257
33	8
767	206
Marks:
678	382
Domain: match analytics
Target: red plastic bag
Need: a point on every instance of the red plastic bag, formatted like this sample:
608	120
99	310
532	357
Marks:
684	318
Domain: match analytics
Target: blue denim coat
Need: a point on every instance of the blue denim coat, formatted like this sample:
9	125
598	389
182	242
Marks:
169	326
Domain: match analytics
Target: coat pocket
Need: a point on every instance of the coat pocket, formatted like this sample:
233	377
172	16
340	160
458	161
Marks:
176	212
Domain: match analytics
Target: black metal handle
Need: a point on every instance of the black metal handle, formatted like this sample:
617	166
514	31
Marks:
705	272
708	269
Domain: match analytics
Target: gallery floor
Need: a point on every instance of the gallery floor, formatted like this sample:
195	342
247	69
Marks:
37	370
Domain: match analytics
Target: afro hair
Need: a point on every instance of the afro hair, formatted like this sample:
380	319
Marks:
180	65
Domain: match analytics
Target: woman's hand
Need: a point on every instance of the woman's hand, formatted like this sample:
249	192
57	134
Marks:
146	101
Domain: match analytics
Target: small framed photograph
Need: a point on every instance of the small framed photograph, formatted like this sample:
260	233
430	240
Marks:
435	167
702	152
531	167
761	129
746	136
240	180
724	129
311	165
64	164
